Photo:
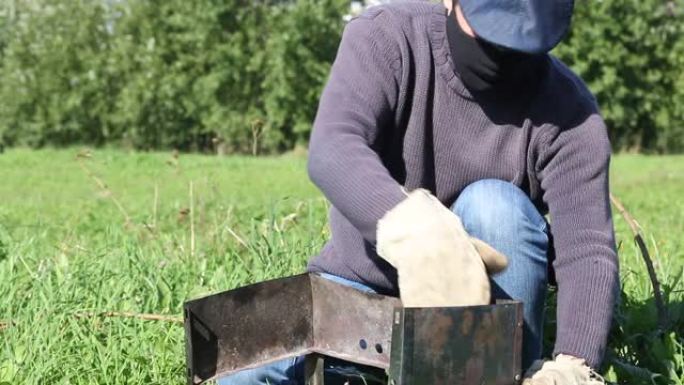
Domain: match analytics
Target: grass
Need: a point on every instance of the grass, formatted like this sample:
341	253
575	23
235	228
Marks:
67	252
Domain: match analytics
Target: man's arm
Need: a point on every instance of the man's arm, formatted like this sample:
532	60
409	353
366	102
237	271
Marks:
573	171
359	100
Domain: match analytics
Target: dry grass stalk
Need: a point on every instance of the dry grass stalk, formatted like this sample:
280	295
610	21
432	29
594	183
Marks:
102	185
237	237
142	316
174	161
257	130
192	221
155	205
663	318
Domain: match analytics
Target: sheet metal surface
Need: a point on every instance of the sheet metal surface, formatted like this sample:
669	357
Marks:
265	322
457	345
307	314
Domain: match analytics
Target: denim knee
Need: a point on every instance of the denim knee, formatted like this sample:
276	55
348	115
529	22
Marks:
489	207
502	215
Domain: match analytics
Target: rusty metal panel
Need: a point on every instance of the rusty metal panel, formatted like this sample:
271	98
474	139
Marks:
307	314
457	345
248	327
351	325
265	322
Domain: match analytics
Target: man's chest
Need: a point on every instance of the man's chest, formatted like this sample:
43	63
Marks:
455	144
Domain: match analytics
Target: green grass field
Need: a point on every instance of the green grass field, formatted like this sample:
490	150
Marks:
142	233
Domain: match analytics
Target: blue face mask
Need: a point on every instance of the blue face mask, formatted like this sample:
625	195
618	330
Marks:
483	66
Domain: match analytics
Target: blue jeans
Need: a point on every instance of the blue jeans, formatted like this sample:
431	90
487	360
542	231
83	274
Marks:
498	213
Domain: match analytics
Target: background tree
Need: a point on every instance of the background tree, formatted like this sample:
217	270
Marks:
52	87
631	54
154	74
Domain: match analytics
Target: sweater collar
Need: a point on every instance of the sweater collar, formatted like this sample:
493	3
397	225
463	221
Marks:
442	53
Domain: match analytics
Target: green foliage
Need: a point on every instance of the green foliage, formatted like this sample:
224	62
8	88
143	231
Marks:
631	54
298	64
166	74
246	75
189	71
52	90
4	25
66	249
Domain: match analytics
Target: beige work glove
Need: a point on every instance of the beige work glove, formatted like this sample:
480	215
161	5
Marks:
563	370
437	262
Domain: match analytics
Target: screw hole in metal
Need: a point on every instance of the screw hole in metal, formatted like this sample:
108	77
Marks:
378	348
363	344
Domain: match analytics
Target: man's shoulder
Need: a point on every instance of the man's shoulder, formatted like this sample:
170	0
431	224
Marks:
403	9
397	15
565	100
564	84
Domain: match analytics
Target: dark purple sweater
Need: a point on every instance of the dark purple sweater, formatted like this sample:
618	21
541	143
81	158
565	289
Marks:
394	113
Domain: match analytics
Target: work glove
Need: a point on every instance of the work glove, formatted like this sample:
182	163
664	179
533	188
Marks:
437	262
563	370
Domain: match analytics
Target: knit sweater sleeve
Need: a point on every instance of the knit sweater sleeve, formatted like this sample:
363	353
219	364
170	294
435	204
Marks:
358	101
574	177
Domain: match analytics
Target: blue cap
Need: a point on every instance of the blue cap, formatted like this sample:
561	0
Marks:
533	26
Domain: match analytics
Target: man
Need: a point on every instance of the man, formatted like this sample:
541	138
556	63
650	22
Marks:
461	103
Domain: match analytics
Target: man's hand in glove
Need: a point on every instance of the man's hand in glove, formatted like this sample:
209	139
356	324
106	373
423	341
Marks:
438	263
563	370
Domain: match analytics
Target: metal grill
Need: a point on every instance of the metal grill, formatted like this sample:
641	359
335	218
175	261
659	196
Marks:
309	315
